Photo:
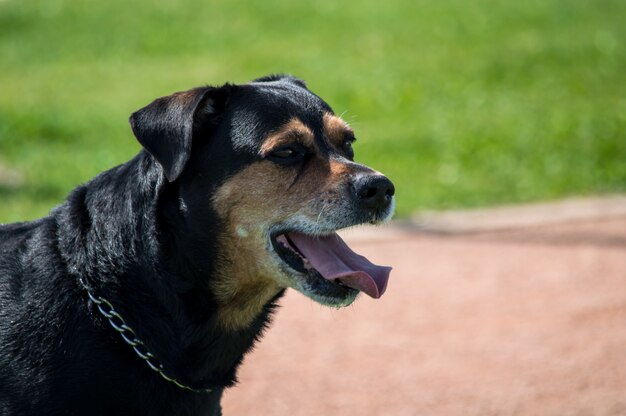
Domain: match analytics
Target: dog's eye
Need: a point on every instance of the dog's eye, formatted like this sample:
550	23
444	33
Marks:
284	153
347	148
288	155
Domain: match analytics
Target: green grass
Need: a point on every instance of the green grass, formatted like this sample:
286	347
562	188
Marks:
462	103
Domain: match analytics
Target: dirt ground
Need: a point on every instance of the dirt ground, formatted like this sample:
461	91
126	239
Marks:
526	322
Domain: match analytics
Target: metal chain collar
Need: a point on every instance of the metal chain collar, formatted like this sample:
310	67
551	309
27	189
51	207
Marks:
130	337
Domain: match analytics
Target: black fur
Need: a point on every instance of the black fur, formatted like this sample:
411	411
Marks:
143	236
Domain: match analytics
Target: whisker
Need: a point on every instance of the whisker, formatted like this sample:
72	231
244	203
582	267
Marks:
319	216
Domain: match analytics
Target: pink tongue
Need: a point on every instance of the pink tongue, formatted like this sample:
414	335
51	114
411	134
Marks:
334	260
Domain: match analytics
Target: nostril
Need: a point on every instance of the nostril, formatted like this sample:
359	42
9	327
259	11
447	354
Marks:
368	193
390	191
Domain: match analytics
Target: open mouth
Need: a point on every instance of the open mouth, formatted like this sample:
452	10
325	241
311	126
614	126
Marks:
329	266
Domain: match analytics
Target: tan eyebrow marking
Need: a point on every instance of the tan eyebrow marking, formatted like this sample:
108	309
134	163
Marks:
335	129
293	128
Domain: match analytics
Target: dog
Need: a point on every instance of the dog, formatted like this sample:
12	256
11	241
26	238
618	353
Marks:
141	293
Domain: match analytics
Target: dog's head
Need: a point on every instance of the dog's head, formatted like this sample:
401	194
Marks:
275	165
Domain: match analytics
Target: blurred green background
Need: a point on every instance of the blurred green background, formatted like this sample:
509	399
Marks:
462	103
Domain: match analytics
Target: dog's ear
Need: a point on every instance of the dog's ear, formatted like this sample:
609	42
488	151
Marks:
165	127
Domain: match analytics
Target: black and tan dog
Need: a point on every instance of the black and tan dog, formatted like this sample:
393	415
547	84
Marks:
142	292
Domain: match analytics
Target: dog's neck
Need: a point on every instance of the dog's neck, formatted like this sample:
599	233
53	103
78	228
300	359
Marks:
127	242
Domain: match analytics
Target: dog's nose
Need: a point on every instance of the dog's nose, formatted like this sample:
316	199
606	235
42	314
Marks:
374	191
